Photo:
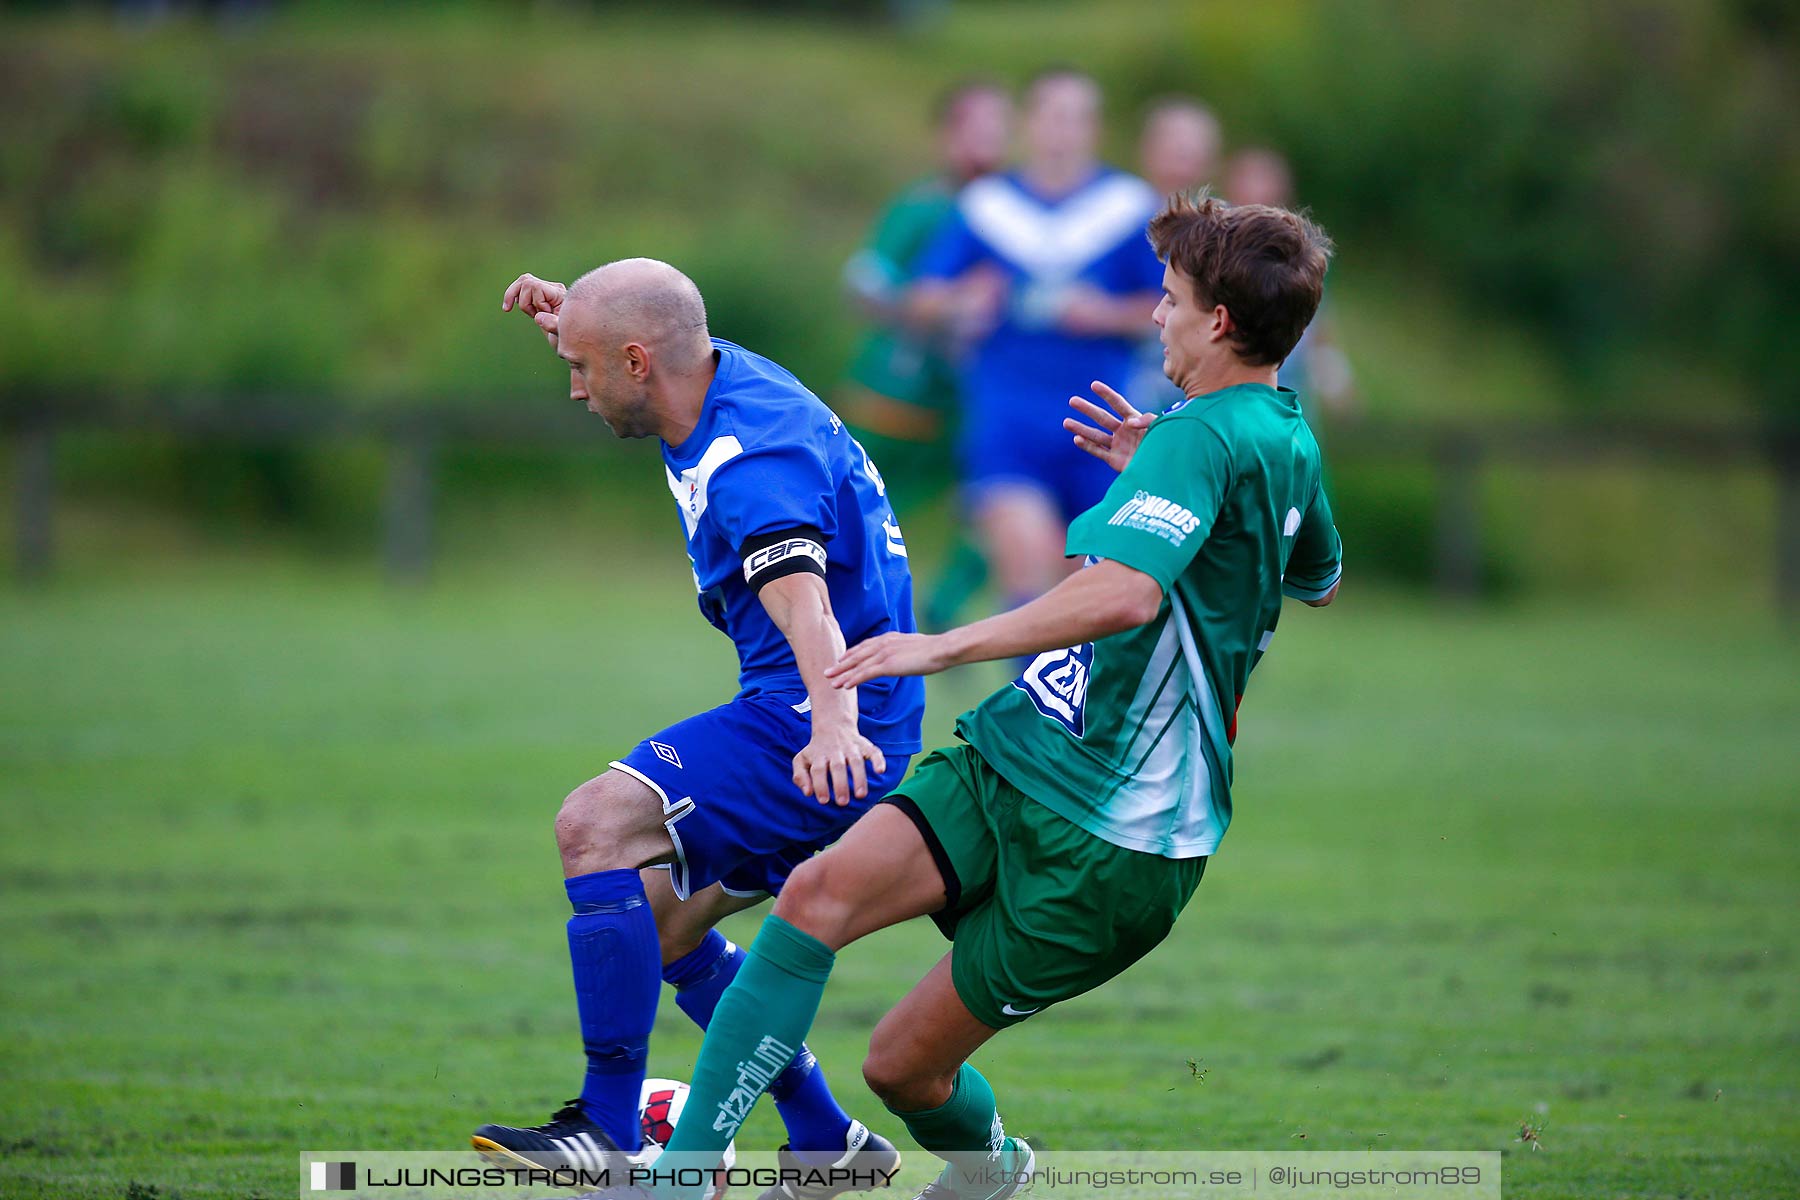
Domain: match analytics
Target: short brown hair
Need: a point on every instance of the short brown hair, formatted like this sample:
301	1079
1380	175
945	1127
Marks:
1265	265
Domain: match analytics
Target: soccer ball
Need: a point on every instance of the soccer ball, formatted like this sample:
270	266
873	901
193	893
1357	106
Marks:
659	1109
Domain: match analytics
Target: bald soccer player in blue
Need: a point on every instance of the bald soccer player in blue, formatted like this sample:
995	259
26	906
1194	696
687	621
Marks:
794	550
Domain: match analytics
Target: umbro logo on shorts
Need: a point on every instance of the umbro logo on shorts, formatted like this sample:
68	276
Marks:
666	753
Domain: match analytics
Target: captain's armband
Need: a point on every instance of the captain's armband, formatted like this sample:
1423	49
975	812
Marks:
769	556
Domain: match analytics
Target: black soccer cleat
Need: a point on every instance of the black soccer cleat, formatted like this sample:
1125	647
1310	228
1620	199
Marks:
1019	1160
869	1161
567	1141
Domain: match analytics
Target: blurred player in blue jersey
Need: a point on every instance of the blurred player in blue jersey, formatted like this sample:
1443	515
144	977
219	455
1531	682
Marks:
1066	234
794	549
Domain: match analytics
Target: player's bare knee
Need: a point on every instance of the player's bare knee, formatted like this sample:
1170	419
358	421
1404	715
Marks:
899	1081
579	822
608	823
882	1080
809	903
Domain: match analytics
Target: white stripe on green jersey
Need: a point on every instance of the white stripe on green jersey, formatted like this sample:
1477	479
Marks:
1130	737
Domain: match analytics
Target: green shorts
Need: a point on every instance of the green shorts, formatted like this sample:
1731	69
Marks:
1040	910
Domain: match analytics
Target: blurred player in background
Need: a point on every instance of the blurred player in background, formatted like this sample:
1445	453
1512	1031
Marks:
1180	149
1317	368
1050	265
1180	146
793	547
1059	841
902	392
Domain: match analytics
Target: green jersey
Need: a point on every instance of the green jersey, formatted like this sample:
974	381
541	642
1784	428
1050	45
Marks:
889	361
901	232
1130	737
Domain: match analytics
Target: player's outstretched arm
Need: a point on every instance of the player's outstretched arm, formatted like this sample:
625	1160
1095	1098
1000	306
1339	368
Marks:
830	766
1114	436
1106	598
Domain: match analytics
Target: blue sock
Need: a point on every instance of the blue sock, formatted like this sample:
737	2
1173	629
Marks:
818	1128
701	976
613	946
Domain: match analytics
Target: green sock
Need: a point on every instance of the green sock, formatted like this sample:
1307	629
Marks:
754	1033
964	1129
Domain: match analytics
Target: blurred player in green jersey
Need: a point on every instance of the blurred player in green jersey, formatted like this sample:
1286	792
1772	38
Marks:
1058	844
902	392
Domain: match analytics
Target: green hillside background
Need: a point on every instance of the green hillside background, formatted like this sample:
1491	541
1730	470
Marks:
1547	213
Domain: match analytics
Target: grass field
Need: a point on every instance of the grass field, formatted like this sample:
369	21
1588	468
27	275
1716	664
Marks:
276	873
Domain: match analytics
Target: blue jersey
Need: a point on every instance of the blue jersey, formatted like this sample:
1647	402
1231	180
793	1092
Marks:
768	458
1027	368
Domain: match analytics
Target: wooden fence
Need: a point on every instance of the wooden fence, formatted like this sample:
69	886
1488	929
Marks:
1458	453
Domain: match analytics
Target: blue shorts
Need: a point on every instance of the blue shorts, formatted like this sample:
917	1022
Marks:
726	779
996	453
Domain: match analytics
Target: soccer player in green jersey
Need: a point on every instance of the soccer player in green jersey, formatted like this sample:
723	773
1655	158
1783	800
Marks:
1057	845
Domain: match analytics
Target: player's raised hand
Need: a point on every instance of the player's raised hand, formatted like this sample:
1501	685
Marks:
829	768
1114	436
532	295
546	321
891	654
539	299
